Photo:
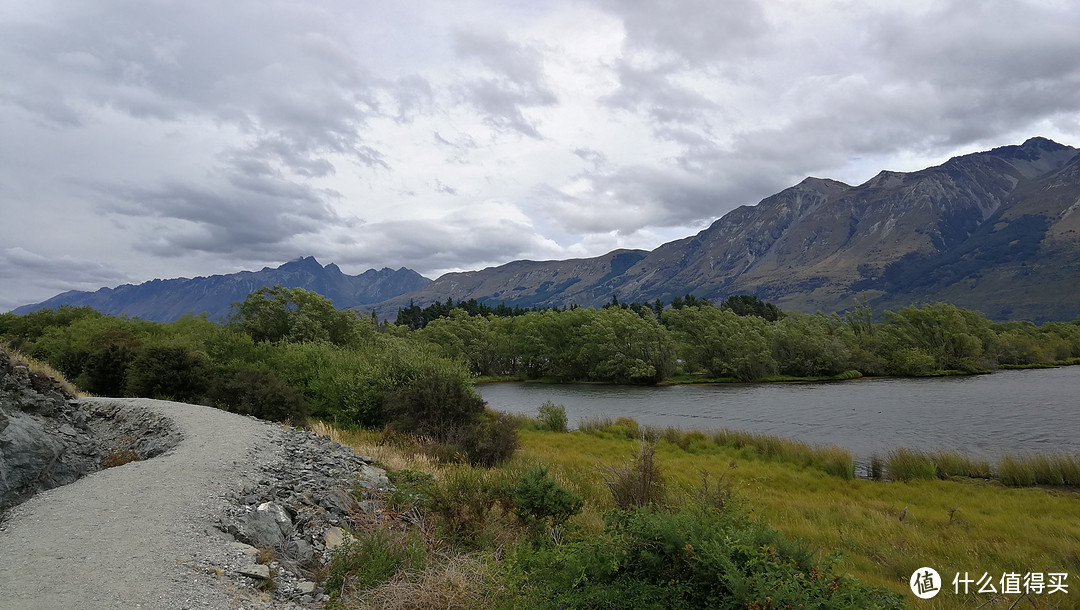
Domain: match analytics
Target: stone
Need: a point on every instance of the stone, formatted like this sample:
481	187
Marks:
338	501
306	587
299	551
256	571
266	526
334	537
246	549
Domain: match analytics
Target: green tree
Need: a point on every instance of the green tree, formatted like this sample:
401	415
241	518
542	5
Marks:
296	315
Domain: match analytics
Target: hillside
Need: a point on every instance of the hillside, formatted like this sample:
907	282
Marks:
167	300
994	231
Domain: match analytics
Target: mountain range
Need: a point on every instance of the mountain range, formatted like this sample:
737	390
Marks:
167	300
997	231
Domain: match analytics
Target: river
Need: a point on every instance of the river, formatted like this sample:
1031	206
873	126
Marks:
1008	412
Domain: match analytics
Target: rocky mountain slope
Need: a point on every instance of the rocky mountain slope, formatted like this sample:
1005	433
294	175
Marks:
994	231
167	300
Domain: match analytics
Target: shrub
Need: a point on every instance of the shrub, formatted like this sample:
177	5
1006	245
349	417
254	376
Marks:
691	559
463	501
174	373
488	442
104	371
553	417
435	401
638	482
372	559
260	393
538	499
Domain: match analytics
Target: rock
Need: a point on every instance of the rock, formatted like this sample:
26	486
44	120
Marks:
256	571
268	525
306	587
246	549
338	501
299	551
333	538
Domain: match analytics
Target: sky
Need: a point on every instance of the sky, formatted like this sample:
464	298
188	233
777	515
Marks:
145	139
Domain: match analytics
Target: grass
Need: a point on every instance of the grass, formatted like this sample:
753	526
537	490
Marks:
42	368
1054	469
882	531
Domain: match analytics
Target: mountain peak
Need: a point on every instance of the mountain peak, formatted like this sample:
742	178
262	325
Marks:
303	263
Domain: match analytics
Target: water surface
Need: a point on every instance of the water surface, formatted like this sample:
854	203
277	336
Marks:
987	415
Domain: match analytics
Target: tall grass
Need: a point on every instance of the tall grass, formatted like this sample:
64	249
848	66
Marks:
1053	469
44	369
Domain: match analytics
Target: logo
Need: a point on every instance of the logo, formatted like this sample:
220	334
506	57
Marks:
925	583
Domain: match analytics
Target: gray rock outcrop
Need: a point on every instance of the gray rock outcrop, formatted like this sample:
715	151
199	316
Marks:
49	439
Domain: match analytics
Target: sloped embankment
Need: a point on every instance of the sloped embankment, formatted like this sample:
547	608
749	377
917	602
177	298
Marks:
48	439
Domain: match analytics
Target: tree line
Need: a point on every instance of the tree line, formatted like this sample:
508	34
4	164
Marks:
288	353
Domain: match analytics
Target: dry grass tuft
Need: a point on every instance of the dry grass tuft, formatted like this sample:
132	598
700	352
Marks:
44	369
459	581
394	452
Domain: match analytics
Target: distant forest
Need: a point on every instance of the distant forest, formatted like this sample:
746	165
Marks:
288	353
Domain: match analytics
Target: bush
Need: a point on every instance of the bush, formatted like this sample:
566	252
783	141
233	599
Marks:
463	501
372	559
173	373
637	483
691	559
553	417
259	392
436	401
490	441
104	372
537	499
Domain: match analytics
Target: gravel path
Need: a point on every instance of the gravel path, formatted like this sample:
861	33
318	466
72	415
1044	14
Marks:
132	536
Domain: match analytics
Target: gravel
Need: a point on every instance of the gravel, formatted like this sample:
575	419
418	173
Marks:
139	535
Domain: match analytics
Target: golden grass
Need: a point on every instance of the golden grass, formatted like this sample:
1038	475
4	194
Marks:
44	368
885	531
452	582
373	444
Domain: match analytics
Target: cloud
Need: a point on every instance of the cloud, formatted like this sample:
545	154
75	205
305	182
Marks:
48	275
171	138
252	211
461	238
516	82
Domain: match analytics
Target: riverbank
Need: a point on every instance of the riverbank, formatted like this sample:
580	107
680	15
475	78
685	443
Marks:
878	532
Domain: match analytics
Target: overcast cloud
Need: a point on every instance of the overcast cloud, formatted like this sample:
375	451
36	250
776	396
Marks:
179	138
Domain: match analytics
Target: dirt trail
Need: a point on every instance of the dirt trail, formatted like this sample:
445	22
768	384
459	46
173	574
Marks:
127	537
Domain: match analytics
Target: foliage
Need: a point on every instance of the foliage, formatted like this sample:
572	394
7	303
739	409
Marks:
637	483
749	305
258	392
537	499
464	500
490	441
552	417
173	373
436	401
371	559
296	315
691	558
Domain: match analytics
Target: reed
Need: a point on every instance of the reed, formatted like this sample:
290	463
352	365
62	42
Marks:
909	465
952	464
1041	469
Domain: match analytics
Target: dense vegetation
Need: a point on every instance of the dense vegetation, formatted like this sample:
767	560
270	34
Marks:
743	340
547	528
287	354
353	370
